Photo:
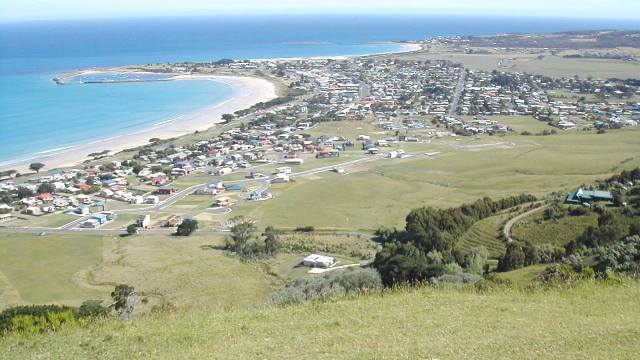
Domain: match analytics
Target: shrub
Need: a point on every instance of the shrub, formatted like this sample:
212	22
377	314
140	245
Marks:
457	279
305	229
621	257
36	318
187	227
331	284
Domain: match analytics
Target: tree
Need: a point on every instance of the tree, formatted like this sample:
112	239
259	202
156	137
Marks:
187	227
36	167
125	299
24	193
228	117
241	232
513	258
476	260
46	188
132	229
271	240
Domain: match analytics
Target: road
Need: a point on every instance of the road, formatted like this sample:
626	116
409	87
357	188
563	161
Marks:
506	230
455	99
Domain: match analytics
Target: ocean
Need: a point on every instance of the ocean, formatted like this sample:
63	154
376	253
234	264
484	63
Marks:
38	117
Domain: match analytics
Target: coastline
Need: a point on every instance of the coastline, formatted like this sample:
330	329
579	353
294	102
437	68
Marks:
247	91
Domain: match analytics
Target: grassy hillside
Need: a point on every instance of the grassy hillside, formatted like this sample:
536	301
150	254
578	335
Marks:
486	232
592	320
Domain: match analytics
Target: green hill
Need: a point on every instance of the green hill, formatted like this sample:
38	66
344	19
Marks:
591	320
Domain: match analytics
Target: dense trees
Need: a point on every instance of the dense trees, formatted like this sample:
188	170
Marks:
429	231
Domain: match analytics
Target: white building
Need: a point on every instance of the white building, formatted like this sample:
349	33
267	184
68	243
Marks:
144	221
315	260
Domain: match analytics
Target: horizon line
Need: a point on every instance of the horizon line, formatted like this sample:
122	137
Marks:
273	15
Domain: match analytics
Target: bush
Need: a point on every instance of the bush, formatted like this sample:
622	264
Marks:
305	229
36	318
621	257
331	284
457	279
187	227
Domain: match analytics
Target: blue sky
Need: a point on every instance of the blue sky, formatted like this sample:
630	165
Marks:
52	9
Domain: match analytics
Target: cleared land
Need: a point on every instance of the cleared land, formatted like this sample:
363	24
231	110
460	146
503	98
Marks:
39	269
592	320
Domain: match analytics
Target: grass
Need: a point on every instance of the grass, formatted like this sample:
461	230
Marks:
41	269
523	277
523	62
72	268
557	232
381	193
590	320
523	123
485	232
49	220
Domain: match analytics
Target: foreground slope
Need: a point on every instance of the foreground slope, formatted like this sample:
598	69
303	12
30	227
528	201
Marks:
591	320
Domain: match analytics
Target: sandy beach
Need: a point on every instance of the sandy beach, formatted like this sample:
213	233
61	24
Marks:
247	91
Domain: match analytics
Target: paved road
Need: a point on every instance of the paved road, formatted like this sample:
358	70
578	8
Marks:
506	230
457	93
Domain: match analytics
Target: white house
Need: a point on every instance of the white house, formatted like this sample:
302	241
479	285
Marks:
315	260
152	199
144	221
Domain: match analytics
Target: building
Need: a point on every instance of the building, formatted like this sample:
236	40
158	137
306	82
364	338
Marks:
173	221
588	196
100	218
152	199
315	260
144	221
166	190
223	201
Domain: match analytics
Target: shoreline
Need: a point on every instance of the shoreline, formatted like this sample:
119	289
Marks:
247	91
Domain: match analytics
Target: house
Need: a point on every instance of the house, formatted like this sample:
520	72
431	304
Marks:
136	200
216	184
223	201
235	187
223	171
144	221
173	221
295	161
100	218
280	178
167	190
32	210
44	197
152	199
90	224
315	260
5	209
587	196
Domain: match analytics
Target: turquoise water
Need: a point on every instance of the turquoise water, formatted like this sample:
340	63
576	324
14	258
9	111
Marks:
38	116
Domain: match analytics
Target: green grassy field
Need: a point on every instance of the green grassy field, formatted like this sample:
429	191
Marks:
381	193
38	269
558	232
523	277
591	320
